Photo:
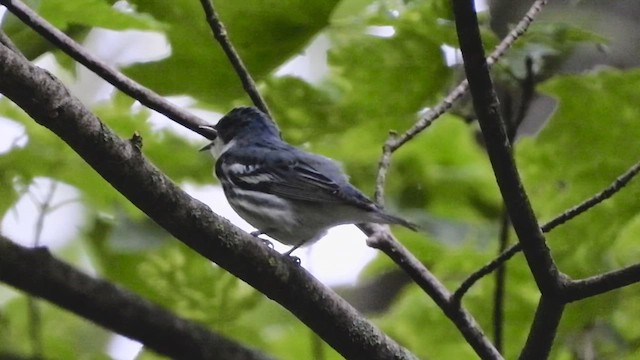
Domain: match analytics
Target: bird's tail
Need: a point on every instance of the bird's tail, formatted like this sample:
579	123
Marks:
392	219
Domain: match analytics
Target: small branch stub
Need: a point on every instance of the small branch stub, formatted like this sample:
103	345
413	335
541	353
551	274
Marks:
136	141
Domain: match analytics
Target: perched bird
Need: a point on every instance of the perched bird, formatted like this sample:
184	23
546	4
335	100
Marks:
289	194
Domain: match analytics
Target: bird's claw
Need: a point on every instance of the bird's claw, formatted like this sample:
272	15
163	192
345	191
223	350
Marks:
295	259
257	234
268	243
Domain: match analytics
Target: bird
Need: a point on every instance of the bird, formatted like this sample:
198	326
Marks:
289	194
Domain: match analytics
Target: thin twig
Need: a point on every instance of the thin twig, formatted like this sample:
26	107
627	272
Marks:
381	239
394	143
33	309
527	86
44	207
609	191
486	270
220	34
6	41
617	185
462	88
383	166
146	97
500	293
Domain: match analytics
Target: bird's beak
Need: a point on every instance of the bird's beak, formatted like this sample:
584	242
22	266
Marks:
210	133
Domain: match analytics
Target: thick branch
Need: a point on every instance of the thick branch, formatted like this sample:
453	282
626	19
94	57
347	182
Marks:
486	107
38	273
121	163
543	329
146	97
220	34
618	184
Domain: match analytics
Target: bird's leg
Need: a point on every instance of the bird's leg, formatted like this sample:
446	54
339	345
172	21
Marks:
257	234
288	253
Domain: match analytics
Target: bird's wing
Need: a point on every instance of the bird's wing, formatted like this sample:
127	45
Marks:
298	179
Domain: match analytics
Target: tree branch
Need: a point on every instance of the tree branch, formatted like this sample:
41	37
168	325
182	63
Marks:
36	272
6	41
543	330
599	284
380	238
146	97
394	142
220	34
618	184
461	89
486	106
500	281
121	163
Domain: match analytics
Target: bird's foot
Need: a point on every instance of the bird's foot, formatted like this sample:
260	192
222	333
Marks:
295	259
268	243
257	234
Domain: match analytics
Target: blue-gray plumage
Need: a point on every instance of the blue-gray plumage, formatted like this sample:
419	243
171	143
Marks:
289	194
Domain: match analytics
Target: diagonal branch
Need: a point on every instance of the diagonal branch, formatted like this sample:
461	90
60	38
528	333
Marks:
146	97
220	34
381	239
394	142
599	284
461	89
121	163
6	41
35	271
543	330
618	184
485	102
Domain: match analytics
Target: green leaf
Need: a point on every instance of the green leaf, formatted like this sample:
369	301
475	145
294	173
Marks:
93	13
589	142
265	34
63	333
75	18
390	77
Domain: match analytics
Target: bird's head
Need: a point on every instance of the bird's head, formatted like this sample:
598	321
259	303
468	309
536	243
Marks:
241	123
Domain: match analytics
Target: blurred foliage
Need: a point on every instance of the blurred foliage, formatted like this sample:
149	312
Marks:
385	64
64	335
75	18
265	34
